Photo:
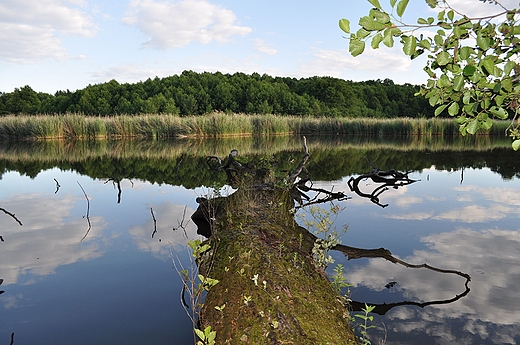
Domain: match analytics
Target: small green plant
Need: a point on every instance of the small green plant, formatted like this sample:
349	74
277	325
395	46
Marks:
198	248
321	249
220	308
338	280
364	326
207	337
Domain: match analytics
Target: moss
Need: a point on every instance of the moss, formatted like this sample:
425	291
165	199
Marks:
272	292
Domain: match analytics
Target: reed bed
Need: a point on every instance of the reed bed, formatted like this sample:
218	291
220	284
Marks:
77	126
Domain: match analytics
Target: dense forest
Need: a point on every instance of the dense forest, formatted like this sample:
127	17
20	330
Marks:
192	93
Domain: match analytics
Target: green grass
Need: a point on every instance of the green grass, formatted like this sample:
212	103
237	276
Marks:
76	126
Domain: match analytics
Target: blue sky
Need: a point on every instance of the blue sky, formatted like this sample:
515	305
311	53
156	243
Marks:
55	45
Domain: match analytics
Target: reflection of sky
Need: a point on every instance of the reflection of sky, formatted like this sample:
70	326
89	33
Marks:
106	288
471	227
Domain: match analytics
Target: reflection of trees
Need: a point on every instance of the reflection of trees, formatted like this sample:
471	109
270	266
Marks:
381	309
182	162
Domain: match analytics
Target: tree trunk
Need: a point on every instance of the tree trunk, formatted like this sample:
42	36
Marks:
269	290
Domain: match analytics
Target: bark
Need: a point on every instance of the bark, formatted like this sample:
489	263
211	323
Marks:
269	290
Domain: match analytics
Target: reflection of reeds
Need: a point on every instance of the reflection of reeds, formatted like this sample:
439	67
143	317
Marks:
76	126
83	150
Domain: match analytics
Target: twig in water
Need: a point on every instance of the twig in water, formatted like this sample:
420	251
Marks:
154	223
57	186
88	211
12	215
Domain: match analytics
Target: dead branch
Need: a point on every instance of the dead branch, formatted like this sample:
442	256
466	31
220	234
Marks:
12	215
154	223
87	215
57	186
301	166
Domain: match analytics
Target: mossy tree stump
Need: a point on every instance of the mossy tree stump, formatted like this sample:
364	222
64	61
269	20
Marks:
270	290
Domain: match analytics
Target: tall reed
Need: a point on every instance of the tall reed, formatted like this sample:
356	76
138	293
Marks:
217	124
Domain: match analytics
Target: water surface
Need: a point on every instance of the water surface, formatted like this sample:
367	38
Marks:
84	267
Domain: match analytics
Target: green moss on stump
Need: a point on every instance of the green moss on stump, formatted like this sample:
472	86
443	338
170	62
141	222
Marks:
273	294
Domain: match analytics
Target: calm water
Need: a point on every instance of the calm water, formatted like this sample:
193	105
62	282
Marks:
85	269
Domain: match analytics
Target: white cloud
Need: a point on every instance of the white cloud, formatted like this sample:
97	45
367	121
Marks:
264	47
127	74
30	30
473	8
172	25
339	62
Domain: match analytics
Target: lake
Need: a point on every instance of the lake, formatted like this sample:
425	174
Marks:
102	226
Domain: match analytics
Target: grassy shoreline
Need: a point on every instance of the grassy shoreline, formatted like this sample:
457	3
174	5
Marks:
153	126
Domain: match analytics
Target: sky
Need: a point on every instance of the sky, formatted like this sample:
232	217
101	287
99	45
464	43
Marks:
54	45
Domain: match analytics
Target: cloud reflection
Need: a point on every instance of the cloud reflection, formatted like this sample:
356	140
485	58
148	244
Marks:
490	310
50	236
168	216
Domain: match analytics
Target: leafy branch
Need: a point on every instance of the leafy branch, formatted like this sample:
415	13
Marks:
472	66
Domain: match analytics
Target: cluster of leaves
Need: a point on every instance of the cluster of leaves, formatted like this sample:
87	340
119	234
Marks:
472	62
192	93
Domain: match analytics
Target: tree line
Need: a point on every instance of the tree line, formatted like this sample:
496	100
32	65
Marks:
192	93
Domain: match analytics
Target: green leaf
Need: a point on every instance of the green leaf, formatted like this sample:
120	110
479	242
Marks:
356	47
507	84
499	100
344	24
453	109
500	113
473	126
401	7
410	44
516	145
444	81
482	41
486	124
509	67
434	99
425	44
443	58
392	3
466	98
440	109
375	3
465	52
380	16
450	14
469	70
458	82
438	40
422	21
371	25
362	33
488	64
388	39
200	334
376	40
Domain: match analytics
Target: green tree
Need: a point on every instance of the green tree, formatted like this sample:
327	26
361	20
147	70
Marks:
472	62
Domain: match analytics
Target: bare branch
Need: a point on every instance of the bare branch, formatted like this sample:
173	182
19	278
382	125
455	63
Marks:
12	215
87	215
154	223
